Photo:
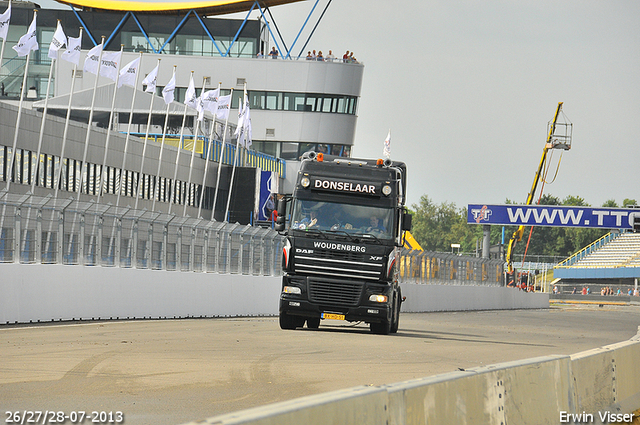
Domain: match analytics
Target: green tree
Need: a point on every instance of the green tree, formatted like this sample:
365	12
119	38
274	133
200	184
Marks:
437	226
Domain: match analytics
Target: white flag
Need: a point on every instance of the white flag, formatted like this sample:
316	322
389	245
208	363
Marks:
29	41
240	120
4	22
224	105
128	73
246	123
190	98
200	108
169	90
150	80
91	61
208	102
387	146
58	40
110	64
74	46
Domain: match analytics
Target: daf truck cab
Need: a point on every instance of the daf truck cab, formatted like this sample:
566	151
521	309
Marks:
344	232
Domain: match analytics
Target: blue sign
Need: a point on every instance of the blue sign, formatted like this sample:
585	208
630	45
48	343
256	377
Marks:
552	215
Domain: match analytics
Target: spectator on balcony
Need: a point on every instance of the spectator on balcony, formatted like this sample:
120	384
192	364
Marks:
309	57
330	57
273	53
345	57
320	57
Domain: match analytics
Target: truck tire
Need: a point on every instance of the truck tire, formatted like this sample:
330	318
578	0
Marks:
290	322
313	322
381	328
396	315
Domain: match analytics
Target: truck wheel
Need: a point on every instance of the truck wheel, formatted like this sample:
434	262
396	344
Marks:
382	328
290	322
313	322
396	316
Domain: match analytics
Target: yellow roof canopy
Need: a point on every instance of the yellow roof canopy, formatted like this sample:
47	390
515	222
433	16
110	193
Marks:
207	7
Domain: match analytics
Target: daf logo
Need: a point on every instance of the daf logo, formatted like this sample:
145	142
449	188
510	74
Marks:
304	251
374	258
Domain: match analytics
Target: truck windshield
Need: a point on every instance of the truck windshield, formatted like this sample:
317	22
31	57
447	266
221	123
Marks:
353	219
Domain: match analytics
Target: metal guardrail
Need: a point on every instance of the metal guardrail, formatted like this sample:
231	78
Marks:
43	230
445	268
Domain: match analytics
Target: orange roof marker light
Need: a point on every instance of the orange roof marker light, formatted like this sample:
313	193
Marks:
210	7
320	157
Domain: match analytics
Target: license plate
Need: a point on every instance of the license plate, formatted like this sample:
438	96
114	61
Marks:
333	316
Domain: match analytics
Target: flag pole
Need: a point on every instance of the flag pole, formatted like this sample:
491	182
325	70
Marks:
126	140
224	138
144	146
174	182
209	148
193	152
233	172
164	135
15	134
235	156
66	126
101	180
86	140
44	119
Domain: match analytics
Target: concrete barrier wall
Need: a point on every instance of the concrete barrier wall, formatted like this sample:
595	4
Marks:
582	388
423	298
32	293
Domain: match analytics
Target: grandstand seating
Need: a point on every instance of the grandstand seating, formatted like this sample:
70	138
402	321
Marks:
619	252
615	255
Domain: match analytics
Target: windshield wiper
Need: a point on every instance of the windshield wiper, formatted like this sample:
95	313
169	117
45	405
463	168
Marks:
342	232
315	232
368	236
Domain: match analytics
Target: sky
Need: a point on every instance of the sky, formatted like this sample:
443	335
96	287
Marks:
467	88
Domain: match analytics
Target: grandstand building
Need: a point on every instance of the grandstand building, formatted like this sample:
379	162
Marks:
296	106
612	261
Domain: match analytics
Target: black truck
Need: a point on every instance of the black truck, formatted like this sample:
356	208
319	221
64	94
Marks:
343	235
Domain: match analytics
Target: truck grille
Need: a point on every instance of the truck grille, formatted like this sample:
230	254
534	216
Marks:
335	293
349	266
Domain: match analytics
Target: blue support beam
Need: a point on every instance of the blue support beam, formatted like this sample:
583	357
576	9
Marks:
240	29
209	34
144	33
117	28
301	29
86	28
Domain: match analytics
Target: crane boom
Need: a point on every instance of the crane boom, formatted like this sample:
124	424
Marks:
517	235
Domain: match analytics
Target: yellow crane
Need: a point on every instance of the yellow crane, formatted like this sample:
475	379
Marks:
554	141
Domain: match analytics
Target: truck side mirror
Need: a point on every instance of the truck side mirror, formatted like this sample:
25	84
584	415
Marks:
406	221
281	216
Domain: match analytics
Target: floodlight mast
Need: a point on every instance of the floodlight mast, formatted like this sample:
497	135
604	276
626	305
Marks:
553	142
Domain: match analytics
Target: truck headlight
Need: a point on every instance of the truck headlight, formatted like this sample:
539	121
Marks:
292	290
378	298
386	190
305	182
